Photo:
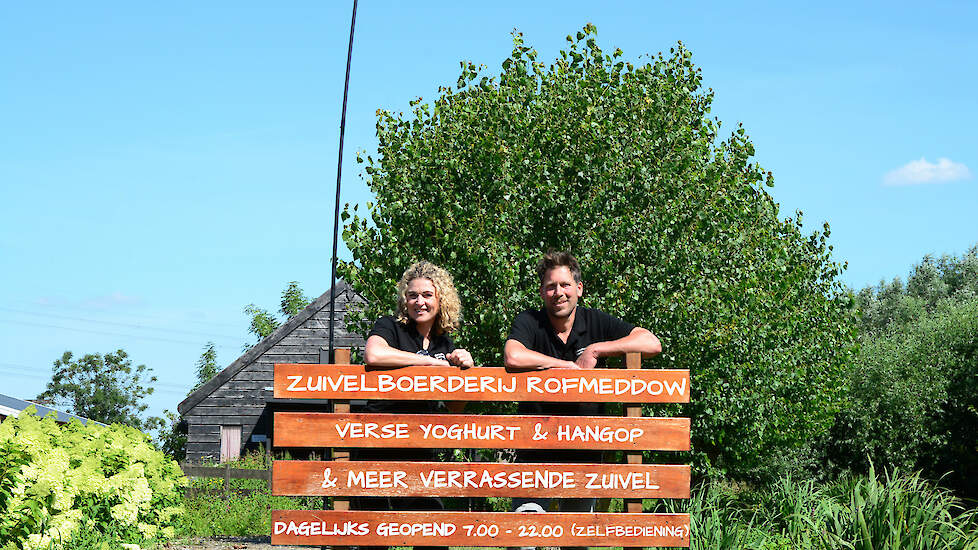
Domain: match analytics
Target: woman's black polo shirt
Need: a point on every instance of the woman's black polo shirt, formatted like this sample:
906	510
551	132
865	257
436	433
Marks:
405	337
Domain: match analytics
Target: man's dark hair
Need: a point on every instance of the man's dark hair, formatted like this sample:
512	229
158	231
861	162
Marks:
554	259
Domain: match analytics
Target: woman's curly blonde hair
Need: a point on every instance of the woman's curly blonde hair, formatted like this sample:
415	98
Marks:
449	306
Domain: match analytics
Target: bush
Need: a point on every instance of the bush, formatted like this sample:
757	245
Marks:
58	483
914	397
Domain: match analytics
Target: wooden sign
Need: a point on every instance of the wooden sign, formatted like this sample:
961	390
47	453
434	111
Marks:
479	479
348	528
481	384
302	429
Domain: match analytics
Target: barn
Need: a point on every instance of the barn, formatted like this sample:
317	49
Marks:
232	412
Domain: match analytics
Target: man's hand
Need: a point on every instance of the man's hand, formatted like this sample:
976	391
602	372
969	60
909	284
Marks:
588	358
461	358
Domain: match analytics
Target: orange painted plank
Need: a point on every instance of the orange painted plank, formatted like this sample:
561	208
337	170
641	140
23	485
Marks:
477	479
304	429
328	527
481	384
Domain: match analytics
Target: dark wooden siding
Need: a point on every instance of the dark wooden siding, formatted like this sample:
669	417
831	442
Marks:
241	400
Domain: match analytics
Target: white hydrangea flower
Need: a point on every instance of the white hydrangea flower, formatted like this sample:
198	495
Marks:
140	492
147	530
125	512
37	541
63	525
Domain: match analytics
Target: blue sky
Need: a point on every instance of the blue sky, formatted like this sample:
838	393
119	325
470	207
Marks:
162	166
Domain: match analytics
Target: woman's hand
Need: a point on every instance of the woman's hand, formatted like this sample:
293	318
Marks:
379	353
461	358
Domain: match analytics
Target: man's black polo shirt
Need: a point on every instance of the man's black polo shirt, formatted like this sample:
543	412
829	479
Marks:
405	337
532	328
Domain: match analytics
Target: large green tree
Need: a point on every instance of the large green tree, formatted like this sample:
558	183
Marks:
105	388
623	165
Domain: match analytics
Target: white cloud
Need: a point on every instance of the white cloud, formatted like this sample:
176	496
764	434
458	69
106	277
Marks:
920	171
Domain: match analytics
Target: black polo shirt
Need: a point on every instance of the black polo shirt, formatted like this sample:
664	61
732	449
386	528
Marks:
532	328
405	337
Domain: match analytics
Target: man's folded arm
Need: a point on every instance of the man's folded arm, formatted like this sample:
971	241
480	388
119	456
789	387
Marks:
639	340
516	355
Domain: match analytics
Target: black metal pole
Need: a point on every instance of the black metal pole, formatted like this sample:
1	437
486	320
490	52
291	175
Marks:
339	175
336	213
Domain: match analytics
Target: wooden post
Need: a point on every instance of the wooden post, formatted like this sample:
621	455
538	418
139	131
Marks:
340	357
227	479
633	506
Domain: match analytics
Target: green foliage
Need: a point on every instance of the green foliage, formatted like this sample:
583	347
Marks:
243	512
105	388
171	436
237	515
63	482
264	323
915	382
931	283
206	367
622	165
293	300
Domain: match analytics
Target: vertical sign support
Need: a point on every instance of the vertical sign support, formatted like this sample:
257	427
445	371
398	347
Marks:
341	357
633	506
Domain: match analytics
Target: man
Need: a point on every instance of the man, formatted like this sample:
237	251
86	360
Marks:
564	335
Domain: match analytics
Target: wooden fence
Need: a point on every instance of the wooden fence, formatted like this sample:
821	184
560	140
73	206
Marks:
227	473
341	430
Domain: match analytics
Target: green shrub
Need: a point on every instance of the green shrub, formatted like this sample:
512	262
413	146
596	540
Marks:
238	514
914	399
61	482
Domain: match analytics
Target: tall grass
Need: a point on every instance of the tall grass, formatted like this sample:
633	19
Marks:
888	512
897	512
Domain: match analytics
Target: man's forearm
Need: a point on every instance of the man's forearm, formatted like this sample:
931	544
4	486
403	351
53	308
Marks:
516	355
640	340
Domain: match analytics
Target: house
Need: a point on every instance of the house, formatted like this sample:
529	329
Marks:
232	412
11	406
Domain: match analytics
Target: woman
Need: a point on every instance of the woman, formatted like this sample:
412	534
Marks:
428	309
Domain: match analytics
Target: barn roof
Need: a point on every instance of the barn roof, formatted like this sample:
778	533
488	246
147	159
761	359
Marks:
261	347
